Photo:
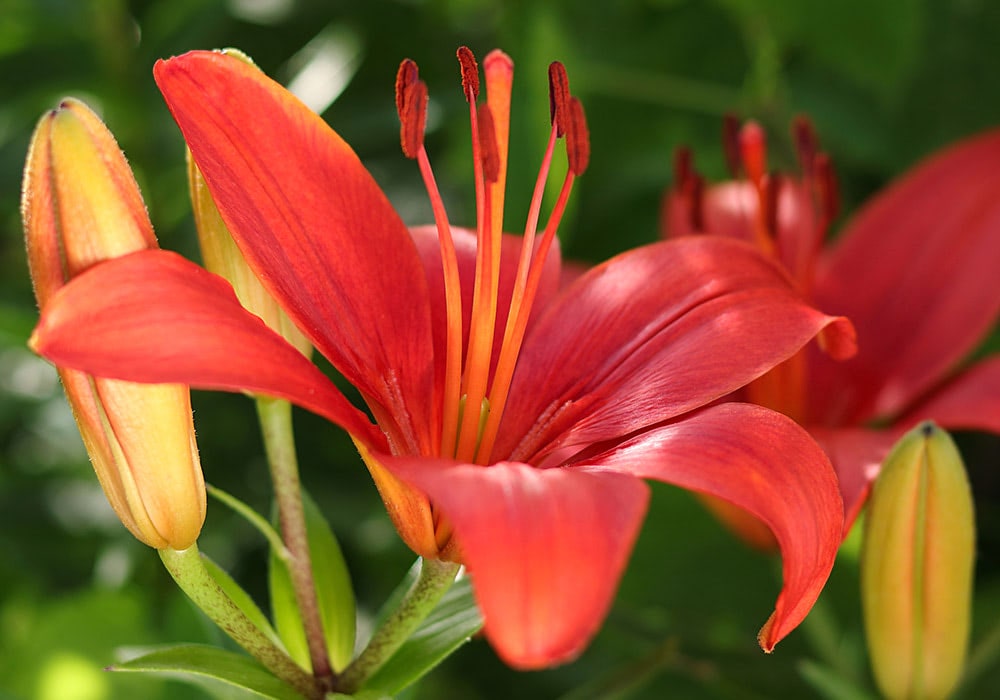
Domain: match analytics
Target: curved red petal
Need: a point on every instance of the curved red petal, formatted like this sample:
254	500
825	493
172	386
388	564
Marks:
155	317
649	335
969	401
909	271
545	547
764	463
314	225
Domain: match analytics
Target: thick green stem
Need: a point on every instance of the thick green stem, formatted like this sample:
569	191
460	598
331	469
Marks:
191	575
276	425
433	582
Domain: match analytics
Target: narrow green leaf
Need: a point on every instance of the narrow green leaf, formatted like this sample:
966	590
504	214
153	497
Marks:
451	624
830	684
242	600
251	516
333	589
198	663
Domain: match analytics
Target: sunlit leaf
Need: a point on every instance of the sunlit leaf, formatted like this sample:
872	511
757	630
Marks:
199	664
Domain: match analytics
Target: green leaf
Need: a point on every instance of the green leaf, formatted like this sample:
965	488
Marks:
831	684
333	589
450	626
242	600
209	666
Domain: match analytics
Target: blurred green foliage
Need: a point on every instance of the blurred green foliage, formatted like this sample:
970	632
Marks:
884	82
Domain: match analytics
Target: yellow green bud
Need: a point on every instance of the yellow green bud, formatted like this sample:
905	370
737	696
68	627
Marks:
917	566
80	206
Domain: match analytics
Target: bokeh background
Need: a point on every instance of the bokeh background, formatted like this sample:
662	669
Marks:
885	83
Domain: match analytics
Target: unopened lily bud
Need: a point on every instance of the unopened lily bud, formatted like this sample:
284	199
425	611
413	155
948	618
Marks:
222	256
917	565
80	206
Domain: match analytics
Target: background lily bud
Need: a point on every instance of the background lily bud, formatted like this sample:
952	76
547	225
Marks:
81	205
917	564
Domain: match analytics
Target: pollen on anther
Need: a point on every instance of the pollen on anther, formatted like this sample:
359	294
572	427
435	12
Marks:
806	144
406	76
577	137
826	182
772	191
413	118
470	73
558	96
488	144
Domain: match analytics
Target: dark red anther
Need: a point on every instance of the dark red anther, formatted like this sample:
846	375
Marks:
558	96
769	201
731	143
753	151
412	117
683	169
828	192
577	137
488	144
470	73
806	144
406	76
696	198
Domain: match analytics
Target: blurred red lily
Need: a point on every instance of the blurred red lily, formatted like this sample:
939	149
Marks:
514	423
915	270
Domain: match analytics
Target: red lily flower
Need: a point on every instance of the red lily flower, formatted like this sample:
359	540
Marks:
914	270
514	423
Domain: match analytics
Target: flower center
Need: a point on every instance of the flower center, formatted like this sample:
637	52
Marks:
474	397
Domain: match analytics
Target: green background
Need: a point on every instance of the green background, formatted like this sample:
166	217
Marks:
885	84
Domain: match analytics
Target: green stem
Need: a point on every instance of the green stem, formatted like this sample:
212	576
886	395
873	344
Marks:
435	578
191	575
276	425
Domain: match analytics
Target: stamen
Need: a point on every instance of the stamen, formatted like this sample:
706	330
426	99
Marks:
753	151
558	96
731	143
488	144
683	168
806	145
470	73
769	202
487	283
413	119
577	138
828	190
531	266
697	203
406	76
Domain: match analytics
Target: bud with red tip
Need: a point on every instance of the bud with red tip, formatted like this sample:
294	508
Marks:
81	206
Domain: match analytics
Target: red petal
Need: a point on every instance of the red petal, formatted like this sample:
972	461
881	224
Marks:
970	401
314	225
155	317
545	547
764	463
910	271
649	335
856	455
